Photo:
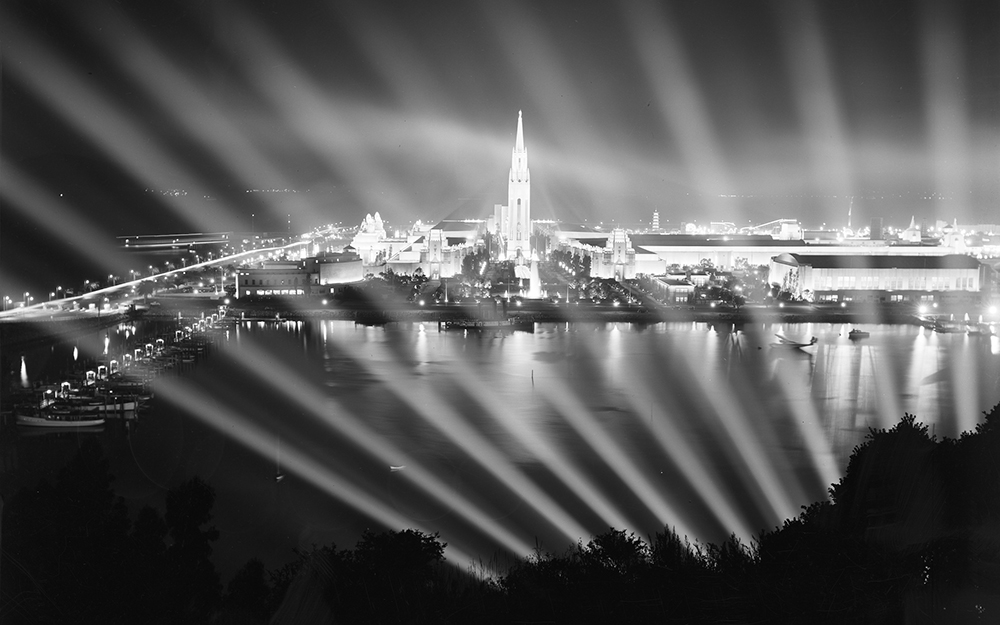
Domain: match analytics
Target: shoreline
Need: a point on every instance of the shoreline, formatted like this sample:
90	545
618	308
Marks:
453	313
377	315
20	333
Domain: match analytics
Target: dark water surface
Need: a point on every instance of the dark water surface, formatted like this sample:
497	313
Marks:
505	442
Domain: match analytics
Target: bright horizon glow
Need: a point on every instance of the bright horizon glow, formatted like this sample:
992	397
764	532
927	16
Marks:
687	152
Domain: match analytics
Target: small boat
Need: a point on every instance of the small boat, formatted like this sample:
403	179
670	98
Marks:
511	323
948	328
94	403
981	329
33	432
856	334
73	405
51	420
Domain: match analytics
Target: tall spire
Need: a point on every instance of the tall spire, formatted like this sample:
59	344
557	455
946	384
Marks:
514	219
519	155
519	143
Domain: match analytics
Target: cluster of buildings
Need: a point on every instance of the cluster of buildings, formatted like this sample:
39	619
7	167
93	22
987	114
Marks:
813	265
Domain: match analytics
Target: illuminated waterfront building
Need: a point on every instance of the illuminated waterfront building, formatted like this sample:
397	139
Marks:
948	279
324	274
370	242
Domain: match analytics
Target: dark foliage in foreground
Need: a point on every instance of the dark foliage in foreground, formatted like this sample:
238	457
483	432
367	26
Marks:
72	555
911	534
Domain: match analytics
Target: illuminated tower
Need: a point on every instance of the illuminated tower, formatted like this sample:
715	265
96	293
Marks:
513	221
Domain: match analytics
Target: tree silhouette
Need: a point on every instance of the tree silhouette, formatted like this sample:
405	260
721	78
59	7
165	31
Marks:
63	543
911	533
72	555
389	577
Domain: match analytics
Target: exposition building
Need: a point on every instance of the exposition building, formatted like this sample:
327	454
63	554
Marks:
951	279
817	265
827	266
326	273
438	251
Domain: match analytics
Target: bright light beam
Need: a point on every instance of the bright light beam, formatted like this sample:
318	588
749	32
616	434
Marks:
577	415
744	442
319	122
678	98
186	104
945	95
887	392
964	387
60	220
807	417
365	145
679	449
440	415
817	98
116	132
202	406
546	454
284	380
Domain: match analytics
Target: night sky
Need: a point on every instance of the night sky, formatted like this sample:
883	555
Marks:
126	118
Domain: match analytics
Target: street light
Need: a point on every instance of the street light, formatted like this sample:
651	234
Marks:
6	301
26	295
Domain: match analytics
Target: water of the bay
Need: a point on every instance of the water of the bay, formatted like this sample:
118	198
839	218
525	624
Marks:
311	432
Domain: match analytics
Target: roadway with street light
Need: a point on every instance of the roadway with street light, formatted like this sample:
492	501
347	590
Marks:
112	298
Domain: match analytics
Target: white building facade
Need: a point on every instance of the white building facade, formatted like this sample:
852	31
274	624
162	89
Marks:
952	278
318	275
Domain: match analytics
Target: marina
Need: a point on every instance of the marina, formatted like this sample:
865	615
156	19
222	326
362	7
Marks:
105	387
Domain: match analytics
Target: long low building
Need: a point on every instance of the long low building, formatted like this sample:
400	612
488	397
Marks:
949	279
617	254
324	274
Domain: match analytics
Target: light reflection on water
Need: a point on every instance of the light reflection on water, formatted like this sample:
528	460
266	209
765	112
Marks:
574	427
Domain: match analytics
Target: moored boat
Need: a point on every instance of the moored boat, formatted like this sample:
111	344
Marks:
981	329
52	420
948	328
511	323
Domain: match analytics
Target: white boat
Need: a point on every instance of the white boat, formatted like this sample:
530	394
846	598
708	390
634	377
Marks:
94	404
66	407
